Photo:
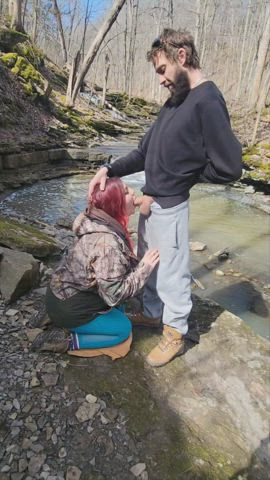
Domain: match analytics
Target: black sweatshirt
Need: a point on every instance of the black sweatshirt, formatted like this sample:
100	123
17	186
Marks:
188	143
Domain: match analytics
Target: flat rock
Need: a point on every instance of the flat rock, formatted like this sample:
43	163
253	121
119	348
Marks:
26	238
50	379
35	463
197	246
87	411
138	469
19	272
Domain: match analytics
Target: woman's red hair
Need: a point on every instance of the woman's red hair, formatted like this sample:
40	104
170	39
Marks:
113	202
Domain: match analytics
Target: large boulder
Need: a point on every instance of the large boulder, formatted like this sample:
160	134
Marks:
26	238
19	272
209	408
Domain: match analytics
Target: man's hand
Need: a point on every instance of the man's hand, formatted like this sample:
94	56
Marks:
99	179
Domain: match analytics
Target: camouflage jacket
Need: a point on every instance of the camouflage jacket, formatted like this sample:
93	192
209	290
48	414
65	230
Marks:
101	261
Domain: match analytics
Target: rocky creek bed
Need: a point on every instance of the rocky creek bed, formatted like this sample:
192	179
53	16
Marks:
204	416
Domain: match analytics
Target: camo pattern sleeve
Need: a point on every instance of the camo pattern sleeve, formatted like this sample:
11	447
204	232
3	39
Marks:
115	279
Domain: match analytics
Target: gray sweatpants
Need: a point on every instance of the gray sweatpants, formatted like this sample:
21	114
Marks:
167	292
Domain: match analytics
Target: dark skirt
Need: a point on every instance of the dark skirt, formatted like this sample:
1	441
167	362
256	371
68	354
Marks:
74	311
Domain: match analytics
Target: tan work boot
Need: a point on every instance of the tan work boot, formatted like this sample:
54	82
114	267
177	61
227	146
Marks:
140	320
171	345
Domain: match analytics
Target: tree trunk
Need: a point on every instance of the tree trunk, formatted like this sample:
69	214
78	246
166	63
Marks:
72	73
86	20
261	103
16	21
262	54
105	27
35	22
243	49
10	7
60	30
106	75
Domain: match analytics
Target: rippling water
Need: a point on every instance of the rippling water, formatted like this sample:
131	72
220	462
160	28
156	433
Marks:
214	219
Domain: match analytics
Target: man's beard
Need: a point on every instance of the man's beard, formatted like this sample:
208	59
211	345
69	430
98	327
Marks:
181	90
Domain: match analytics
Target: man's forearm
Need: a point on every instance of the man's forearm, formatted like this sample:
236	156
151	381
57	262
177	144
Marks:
132	163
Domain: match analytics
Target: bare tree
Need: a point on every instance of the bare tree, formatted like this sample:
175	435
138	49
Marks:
106	74
16	8
263	48
35	20
58	17
105	27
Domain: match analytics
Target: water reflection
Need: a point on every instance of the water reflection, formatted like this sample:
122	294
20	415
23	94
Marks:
214	219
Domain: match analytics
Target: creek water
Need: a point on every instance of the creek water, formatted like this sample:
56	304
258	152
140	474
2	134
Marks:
215	219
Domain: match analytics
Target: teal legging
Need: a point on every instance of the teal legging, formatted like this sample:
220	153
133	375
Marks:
106	330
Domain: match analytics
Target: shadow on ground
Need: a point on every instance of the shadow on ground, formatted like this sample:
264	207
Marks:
170	450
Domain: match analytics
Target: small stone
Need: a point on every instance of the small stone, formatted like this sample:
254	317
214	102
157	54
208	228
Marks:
54	438
144	475
36	463
87	411
249	190
73	473
104	420
44	475
5	469
31	425
22	465
219	273
62	453
12	312
17	476
49	432
50	379
35	382
26	444
93	461
197	246
50	368
91	398
138	469
16	404
37	448
111	414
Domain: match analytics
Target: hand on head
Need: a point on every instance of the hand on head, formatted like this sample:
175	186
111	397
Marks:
99	179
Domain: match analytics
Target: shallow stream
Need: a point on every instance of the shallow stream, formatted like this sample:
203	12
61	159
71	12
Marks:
215	219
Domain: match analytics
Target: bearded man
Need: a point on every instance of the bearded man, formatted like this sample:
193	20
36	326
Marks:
191	141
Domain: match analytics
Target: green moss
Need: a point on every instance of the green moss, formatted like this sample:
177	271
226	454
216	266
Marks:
252	150
9	59
28	90
9	38
30	52
24	69
26	238
105	127
265	146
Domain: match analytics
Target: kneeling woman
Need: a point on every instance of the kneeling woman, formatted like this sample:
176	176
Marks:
97	275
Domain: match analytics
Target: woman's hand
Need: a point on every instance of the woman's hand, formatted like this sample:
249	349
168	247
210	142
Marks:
99	179
151	258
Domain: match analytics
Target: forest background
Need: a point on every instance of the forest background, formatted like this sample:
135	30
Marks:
232	37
